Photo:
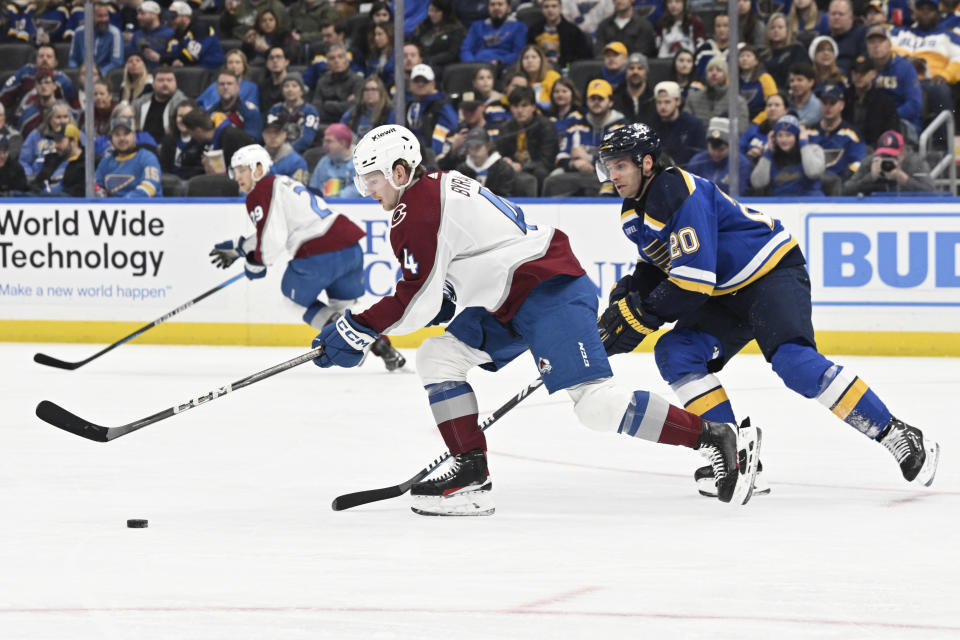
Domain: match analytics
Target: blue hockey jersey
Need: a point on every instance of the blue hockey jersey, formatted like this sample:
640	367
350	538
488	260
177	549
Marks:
198	45
134	175
301	124
702	239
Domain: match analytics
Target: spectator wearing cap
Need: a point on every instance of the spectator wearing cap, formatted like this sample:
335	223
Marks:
587	14
154	110
429	114
373	109
151	39
843	150
286	161
137	81
867	107
63	171
483	163
39	142
939	49
242	113
333	175
802	98
37	102
497	40
579	144
626	25
823	52
782	48
754	139
678	29
892	168
713	101
271	87
615	59
898	77
756	85
338	89
128	172
236	62
10	135
13	180
299	120
875	13
103	144
528	142
439	36
107	42
560	39
218	135
534	65
844	31
308	17
180	155
790	165
241	16
714	47
24	80
681	135
192	45
714	163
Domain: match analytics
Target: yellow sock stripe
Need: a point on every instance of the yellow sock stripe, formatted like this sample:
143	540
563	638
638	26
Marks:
704	402
850	398
635	324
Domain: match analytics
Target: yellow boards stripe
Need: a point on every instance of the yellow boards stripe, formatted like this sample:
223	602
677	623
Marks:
850	398
703	403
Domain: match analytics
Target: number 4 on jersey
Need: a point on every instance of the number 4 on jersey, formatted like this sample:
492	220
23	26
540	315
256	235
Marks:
409	262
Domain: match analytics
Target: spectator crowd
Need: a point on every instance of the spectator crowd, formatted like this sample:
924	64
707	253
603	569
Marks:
833	94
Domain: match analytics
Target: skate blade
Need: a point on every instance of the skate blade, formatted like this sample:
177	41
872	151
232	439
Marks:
929	469
708	488
748	452
465	503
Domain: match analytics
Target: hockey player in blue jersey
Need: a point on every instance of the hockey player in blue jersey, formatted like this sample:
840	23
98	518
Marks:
128	172
696	246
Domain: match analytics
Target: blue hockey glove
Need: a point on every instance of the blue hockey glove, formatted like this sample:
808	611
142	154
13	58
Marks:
448	307
253	270
343	342
225	253
624	325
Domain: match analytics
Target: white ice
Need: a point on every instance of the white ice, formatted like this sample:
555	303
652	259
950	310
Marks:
595	535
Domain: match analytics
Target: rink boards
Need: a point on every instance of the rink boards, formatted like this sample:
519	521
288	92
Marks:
885	273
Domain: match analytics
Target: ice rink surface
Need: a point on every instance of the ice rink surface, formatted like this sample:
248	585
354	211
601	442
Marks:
595	535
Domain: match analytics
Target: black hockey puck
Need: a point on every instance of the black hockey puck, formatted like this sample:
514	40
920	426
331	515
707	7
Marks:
136	524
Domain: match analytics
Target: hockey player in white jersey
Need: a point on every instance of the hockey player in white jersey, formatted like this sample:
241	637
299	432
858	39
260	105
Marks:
291	219
518	287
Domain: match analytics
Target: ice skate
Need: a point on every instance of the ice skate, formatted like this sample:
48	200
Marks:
707	486
918	456
465	490
392	359
734	454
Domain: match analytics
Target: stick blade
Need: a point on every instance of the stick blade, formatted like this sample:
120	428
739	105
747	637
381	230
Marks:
42	358
59	417
351	500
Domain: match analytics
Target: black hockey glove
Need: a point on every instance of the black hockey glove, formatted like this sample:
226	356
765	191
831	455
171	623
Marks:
225	253
624	325
621	289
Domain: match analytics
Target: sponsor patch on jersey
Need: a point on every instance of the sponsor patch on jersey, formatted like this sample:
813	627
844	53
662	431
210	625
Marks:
398	214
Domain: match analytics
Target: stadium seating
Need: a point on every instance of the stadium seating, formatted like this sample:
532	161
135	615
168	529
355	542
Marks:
583	71
192	80
211	186
458	77
312	156
14	55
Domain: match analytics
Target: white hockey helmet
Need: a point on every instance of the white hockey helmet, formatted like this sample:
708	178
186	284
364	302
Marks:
250	156
380	149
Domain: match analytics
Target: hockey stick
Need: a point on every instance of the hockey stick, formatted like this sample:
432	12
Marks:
42	358
373	495
63	419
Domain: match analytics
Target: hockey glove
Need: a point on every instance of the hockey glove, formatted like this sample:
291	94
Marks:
625	324
253	270
344	342
621	289
226	253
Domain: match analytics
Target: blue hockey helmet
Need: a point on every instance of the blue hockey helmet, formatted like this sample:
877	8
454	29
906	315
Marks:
636	140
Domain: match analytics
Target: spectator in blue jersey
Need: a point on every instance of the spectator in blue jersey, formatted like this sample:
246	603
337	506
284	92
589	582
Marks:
684	73
10	135
892	168
626	25
179	154
615	58
22	82
440	35
192	45
483	163
128	172
271	86
713	47
299	120
380	59
681	134
249	91
38	143
40	23
579	144
566	107
38	100
559	38
219	136
849	36
755	83
12	178
242	113
414	13
898	77
754	139
843	150
103	144
714	163
107	42
373	109
497	40
151	39
62	173
333	175
790	165
429	114
337	89
286	161
495	107
802	98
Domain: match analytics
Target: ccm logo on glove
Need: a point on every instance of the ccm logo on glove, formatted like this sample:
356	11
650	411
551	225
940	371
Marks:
356	339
